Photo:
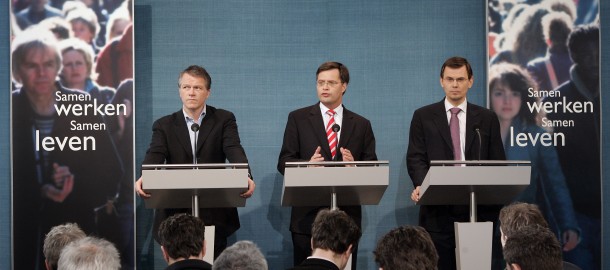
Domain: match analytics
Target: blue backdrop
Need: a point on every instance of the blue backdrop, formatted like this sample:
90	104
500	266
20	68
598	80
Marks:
262	56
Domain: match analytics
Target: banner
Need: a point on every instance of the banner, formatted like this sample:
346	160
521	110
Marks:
543	84
72	125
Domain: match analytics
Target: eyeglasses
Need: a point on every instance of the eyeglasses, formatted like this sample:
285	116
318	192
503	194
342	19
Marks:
329	83
186	87
459	80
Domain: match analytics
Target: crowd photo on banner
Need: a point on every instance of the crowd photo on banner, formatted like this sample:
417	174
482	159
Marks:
544	87
72	125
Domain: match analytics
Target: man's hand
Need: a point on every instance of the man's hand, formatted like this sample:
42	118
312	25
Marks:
347	155
63	184
140	191
251	187
317	157
570	240
415	194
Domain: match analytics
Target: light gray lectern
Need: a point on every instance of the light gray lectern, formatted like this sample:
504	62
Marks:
484	182
196	185
335	183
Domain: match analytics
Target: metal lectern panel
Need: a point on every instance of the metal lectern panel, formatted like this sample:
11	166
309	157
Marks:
313	186
174	188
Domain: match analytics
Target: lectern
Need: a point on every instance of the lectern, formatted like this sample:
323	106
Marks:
335	183
474	183
196	185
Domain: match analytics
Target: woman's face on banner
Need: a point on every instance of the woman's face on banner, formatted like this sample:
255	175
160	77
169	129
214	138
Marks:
505	102
74	69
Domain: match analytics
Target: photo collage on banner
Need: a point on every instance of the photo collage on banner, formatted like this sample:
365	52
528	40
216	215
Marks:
72	124
544	86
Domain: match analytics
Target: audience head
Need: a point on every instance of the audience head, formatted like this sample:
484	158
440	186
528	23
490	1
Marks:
533	248
334	231
89	253
58	26
508	91
406	248
564	6
243	255
56	239
182	236
516	216
117	23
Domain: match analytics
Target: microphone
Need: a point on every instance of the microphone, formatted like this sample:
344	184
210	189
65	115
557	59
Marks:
477	129
336	129
195	128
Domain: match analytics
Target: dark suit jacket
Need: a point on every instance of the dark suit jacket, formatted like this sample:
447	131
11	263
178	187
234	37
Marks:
217	141
430	139
190	264
304	132
315	264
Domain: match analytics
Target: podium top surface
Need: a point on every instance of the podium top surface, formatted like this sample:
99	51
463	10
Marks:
337	163
195	166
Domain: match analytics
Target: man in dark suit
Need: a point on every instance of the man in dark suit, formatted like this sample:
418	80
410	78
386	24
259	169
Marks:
309	136
334	235
432	138
217	141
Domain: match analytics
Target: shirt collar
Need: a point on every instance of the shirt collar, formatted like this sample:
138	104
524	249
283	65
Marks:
338	110
188	118
462	106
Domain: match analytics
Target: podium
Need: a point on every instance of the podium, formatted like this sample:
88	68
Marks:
214	185
335	183
484	182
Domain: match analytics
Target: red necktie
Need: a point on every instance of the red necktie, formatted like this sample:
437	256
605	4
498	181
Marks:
331	135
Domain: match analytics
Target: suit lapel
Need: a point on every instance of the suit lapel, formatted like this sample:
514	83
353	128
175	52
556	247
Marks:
317	124
182	133
347	128
207	124
440	119
472	118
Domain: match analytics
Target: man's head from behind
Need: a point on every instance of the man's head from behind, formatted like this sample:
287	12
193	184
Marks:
243	255
89	253
182	237
516	216
406	248
533	247
335	231
57	238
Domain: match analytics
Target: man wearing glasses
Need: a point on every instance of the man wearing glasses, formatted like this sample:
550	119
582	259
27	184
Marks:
325	131
217	141
447	130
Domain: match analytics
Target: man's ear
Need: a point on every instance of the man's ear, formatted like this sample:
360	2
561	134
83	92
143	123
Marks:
349	250
514	266
46	265
165	256
311	243
203	250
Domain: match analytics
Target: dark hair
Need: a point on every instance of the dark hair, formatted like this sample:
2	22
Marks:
518	80
556	27
197	71
334	230
343	71
406	248
182	236
457	62
533	247
580	39
516	216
